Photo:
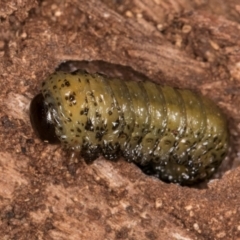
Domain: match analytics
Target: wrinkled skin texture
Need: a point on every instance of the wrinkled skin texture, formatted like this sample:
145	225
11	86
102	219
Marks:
173	134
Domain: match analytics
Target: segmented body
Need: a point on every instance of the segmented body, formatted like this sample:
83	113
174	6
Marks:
179	135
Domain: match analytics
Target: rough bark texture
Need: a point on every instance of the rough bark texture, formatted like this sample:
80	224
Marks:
185	43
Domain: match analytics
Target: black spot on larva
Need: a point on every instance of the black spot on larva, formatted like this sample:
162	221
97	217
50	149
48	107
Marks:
67	83
99	135
71	98
89	125
98	115
115	124
84	111
103	129
149	131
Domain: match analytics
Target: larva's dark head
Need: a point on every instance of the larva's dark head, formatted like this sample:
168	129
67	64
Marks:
41	120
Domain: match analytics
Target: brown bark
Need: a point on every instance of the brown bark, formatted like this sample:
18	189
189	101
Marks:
182	43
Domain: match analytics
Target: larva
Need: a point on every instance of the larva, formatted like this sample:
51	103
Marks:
174	134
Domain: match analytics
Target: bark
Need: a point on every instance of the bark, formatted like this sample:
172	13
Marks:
182	43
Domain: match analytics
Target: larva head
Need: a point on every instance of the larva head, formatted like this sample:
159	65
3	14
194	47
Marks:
42	121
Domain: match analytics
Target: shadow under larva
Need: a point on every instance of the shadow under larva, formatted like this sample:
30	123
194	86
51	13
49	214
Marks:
173	134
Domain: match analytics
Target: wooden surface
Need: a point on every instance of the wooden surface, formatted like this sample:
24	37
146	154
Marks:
182	43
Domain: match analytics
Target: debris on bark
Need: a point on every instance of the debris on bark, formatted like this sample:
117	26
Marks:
184	43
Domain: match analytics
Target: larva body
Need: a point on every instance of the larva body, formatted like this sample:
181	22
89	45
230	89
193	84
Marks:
175	134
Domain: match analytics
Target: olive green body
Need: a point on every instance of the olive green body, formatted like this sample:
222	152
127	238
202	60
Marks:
181	136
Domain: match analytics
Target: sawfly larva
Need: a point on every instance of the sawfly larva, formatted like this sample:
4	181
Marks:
174	134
